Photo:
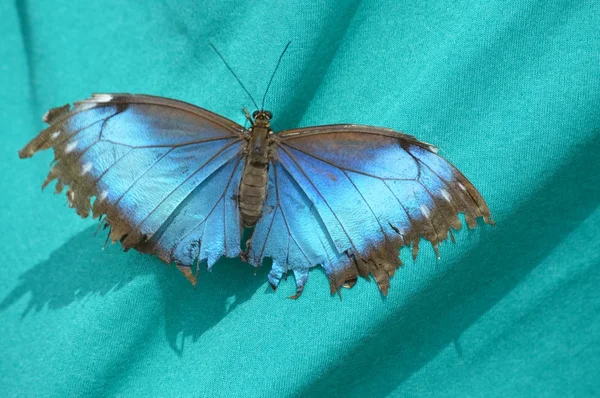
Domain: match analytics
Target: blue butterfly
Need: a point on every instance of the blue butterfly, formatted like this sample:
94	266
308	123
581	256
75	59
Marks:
182	183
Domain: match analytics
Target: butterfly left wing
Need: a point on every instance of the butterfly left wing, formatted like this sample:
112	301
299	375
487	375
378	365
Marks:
348	197
161	171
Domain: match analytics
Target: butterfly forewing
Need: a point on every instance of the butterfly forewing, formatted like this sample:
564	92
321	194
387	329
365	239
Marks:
364	192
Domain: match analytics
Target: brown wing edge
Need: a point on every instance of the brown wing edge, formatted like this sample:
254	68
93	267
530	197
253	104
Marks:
59	114
289	135
381	261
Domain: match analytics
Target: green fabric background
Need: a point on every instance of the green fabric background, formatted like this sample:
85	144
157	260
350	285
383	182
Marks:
510	90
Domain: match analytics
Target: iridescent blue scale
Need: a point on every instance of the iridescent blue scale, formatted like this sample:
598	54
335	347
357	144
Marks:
171	179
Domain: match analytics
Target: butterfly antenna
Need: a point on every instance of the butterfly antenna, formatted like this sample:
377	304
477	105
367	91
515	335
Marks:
234	75
273	75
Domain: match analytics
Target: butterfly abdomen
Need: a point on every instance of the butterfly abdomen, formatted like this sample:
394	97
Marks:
253	186
253	192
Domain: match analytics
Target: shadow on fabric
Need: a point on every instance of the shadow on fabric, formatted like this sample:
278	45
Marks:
437	316
79	269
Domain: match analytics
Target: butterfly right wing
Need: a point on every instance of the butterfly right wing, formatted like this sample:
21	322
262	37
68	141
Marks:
348	197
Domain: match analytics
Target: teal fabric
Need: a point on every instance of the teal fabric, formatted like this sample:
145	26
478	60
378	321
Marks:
510	90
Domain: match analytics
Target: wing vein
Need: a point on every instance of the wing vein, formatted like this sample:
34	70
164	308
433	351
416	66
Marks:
320	194
172	146
269	232
287	226
189	177
453	190
97	180
347	128
214	206
75	133
213	117
410	220
142	176
279	207
433	199
367	203
199	112
80	155
344	168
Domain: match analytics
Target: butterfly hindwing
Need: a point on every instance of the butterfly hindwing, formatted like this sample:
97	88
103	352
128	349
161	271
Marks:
142	162
365	193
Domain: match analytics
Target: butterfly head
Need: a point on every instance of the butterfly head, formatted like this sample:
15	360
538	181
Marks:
262	118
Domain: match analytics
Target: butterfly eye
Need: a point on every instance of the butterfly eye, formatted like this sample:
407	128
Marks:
268	114
255	114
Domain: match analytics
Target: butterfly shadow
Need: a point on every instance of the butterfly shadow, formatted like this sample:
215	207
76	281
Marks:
80	270
190	312
438	314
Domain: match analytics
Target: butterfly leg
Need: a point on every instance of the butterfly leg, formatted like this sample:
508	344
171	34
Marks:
248	117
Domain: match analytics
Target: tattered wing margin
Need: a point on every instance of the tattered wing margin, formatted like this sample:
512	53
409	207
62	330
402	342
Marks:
81	188
381	261
66	168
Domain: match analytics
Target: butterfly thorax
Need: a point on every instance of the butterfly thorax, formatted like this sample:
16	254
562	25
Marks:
253	186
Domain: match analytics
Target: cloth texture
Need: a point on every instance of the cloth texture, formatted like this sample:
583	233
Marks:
510	92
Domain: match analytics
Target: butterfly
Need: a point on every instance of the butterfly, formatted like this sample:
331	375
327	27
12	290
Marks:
180	182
